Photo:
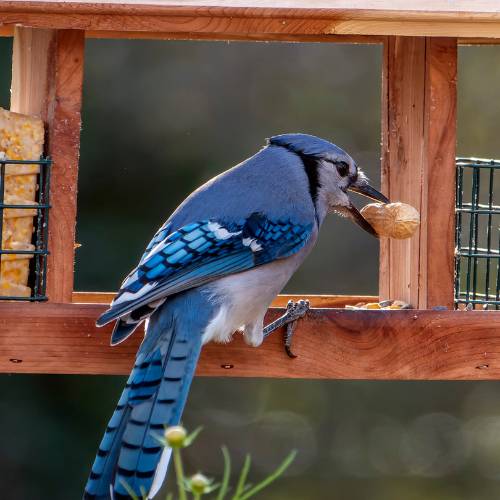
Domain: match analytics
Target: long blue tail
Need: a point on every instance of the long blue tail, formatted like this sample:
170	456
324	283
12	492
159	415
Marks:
153	398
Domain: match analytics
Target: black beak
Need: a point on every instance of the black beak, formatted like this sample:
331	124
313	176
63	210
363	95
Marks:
352	212
369	192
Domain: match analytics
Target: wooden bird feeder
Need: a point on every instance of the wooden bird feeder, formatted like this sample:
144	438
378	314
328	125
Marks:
419	96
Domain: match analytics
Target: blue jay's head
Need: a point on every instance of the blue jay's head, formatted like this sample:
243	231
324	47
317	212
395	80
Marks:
331	173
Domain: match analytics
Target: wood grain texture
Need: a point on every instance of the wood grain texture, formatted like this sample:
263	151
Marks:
418	140
439	182
330	343
30	71
402	157
478	9
8	31
47	78
279	301
238	37
466	18
64	124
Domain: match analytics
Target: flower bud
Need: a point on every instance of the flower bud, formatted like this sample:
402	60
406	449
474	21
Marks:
199	483
175	436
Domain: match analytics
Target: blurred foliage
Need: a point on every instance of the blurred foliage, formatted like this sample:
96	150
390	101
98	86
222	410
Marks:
160	118
177	439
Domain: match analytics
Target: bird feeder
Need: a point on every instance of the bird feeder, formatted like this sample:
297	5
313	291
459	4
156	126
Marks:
432	341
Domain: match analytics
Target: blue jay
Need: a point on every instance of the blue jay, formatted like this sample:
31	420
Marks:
212	269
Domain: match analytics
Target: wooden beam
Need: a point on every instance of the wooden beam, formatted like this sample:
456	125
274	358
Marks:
8	31
370	9
30	71
238	37
478	41
247	18
437	259
64	124
403	98
330	343
279	301
418	139
47	78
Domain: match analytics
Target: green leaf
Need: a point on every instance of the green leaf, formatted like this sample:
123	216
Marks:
243	477
159	438
212	487
268	480
129	490
227	474
191	437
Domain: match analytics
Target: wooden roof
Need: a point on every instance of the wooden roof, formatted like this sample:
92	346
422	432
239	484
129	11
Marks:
248	18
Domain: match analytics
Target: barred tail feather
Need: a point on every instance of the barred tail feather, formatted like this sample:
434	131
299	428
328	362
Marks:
102	473
153	398
141	451
122	331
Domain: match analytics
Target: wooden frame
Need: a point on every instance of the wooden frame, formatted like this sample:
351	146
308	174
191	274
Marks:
462	18
419	113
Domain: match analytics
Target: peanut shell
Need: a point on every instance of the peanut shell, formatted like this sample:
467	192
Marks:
394	220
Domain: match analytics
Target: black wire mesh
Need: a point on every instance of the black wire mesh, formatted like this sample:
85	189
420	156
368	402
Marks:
477	256
37	255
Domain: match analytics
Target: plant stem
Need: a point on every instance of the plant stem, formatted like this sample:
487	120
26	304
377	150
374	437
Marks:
266	482
129	490
227	474
243	477
179	472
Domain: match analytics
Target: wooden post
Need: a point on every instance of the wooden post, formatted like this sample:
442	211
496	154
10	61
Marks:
47	78
418	166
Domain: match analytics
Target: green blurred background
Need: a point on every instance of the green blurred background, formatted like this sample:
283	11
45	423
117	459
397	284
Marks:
160	118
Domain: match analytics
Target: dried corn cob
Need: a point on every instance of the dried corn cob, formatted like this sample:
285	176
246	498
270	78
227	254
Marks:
21	138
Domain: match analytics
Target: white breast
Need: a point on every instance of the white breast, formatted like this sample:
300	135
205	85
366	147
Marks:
244	298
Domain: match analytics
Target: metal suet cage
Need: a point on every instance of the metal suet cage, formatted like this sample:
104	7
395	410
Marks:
34	251
477	255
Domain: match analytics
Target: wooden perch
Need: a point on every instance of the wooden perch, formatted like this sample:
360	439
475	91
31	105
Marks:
330	344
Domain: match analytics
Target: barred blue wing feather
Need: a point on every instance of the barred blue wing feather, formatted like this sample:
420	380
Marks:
198	253
159	236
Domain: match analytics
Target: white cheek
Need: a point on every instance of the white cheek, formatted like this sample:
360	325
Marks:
343	200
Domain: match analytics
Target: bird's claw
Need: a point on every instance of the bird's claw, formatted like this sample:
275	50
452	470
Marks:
294	311
288	339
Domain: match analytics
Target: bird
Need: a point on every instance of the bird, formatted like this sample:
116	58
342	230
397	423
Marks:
212	269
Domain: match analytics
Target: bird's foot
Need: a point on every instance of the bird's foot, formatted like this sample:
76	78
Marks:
294	311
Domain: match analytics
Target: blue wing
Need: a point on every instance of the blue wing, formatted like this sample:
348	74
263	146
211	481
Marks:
159	236
198	253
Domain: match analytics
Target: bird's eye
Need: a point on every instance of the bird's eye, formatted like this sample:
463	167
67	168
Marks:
342	168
